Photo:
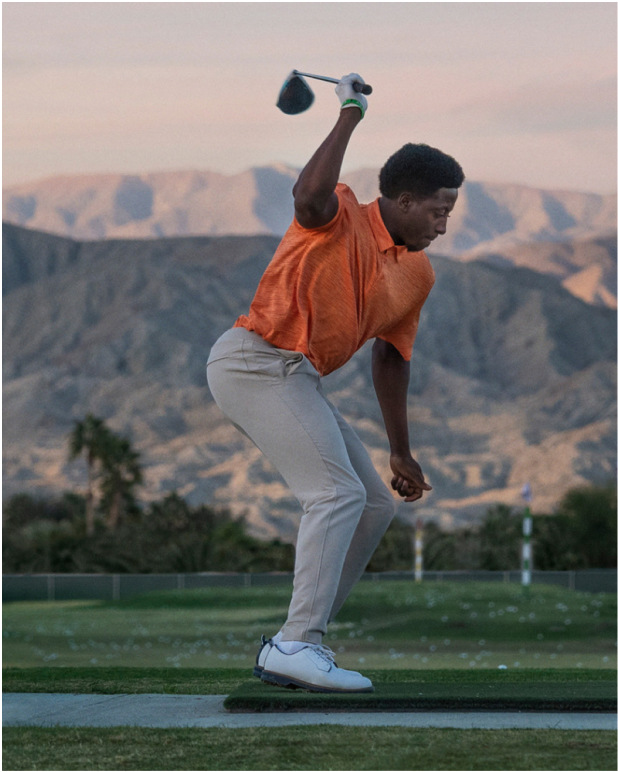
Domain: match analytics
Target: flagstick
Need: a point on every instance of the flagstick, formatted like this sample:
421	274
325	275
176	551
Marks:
526	547
418	549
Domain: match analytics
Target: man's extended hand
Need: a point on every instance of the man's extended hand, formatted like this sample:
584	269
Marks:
408	478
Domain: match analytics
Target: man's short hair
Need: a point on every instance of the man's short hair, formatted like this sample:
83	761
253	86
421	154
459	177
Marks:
421	170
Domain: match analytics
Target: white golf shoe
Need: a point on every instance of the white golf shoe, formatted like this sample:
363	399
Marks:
313	668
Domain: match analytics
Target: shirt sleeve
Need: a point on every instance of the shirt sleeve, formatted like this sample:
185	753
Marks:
340	191
403	334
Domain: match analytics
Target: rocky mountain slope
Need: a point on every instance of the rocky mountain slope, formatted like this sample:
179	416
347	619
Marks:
489	219
101	206
513	377
586	267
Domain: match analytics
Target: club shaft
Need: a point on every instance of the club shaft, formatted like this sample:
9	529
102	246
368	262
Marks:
360	87
317	77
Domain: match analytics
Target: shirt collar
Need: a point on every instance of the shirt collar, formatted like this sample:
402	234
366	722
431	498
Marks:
382	236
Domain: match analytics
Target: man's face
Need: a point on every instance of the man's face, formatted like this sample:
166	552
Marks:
422	220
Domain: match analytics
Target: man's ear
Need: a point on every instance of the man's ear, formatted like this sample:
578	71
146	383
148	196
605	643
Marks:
405	201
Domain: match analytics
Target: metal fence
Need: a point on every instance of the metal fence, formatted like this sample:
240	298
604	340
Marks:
36	587
591	580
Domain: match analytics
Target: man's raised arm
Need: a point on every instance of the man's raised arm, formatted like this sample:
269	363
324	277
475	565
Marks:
315	202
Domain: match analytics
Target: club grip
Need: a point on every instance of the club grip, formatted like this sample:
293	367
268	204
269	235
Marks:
362	88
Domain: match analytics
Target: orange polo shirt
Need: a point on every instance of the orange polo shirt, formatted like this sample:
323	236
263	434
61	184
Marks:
328	290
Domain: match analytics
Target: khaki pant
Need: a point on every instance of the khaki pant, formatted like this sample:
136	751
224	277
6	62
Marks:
275	398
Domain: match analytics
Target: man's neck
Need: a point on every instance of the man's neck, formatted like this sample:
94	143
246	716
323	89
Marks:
386	212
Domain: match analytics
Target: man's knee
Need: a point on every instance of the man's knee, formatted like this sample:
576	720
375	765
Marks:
382	502
356	495
349	495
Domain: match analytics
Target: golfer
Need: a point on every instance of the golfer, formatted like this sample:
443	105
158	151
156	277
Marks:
344	273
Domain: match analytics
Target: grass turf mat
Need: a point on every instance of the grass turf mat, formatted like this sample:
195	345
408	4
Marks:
306	748
483	691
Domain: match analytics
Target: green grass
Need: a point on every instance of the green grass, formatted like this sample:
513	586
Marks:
307	748
205	641
384	625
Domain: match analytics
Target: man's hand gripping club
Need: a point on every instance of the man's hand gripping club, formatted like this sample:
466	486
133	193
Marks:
408	478
348	96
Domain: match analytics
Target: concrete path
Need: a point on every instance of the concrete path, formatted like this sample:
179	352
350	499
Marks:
171	710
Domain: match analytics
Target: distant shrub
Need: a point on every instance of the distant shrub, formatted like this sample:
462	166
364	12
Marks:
168	537
500	535
582	534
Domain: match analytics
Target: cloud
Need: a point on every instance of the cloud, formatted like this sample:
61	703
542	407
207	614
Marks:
126	86
542	108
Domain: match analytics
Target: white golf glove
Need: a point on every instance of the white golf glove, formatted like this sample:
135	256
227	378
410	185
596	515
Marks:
347	96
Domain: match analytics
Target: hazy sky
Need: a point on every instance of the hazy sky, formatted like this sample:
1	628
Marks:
517	92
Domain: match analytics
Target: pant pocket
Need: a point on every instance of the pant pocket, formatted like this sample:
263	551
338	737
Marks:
292	361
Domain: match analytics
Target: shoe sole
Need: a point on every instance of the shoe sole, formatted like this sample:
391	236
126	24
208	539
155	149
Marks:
294	683
257	671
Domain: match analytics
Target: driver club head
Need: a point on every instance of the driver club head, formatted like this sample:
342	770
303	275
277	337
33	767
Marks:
295	96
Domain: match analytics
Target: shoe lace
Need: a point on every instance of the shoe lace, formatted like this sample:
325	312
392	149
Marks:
324	652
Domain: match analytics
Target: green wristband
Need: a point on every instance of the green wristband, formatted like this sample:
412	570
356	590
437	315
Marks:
356	103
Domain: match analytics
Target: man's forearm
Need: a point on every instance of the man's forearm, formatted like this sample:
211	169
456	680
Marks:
320	176
391	376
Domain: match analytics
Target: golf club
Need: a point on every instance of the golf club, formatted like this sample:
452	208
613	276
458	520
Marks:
362	88
296	95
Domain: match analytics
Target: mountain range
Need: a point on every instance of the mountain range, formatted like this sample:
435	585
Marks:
513	377
568	234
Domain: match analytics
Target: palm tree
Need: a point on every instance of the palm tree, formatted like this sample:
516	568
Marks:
121	473
90	435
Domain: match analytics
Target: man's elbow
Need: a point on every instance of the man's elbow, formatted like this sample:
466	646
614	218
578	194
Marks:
308	201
